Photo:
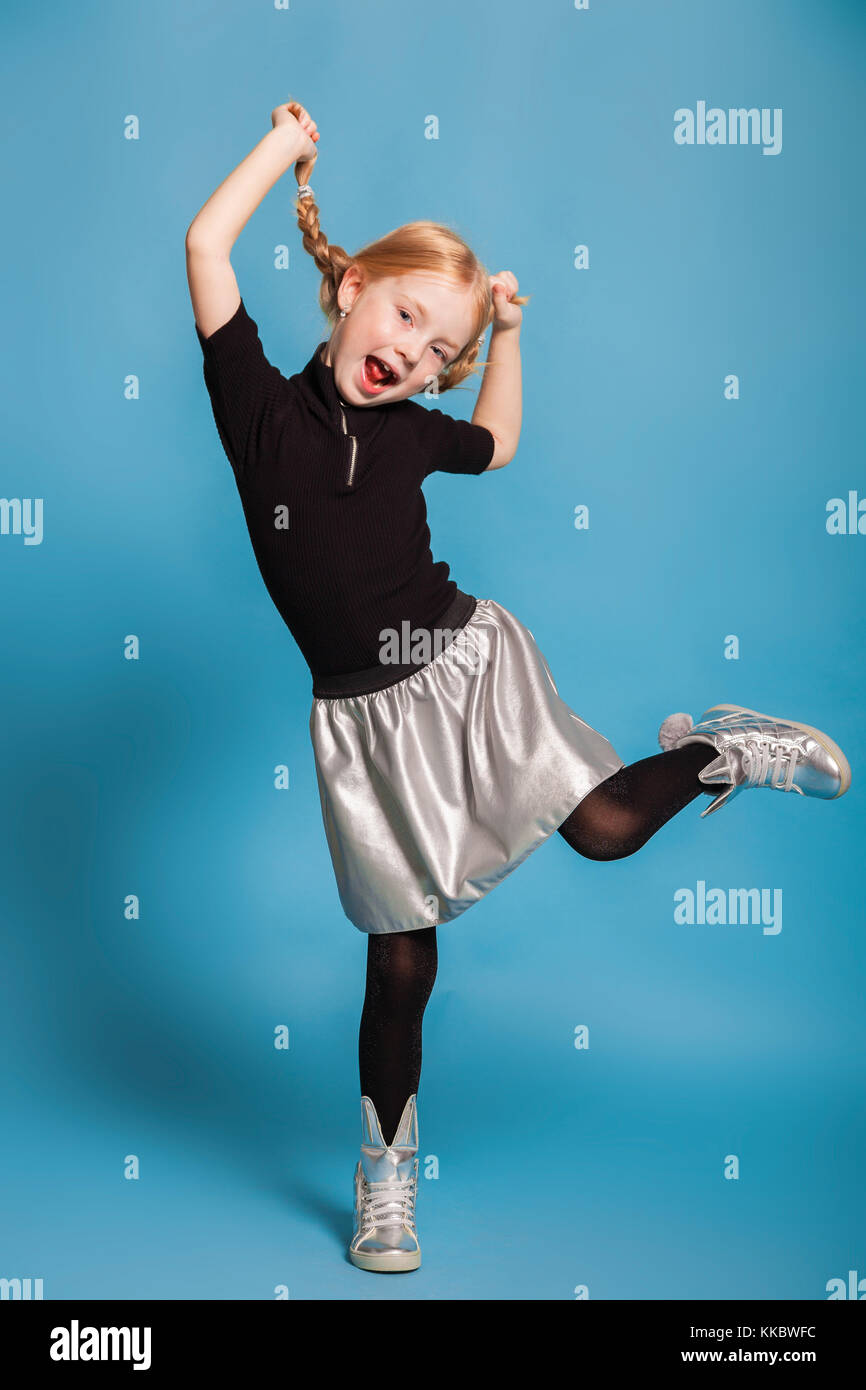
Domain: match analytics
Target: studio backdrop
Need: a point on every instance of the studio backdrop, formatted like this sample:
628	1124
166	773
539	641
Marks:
642	1079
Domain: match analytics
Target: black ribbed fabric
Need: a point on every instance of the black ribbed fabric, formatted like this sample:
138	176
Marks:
332	497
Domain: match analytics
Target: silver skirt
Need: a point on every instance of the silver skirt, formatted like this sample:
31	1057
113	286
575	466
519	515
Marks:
435	788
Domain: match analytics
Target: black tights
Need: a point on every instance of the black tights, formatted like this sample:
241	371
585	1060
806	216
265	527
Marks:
611	822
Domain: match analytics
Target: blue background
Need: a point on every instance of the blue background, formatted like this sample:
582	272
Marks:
557	1167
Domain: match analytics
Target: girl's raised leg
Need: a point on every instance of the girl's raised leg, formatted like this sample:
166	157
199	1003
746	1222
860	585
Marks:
619	815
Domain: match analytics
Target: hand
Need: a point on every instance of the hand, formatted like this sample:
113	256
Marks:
506	310
293	113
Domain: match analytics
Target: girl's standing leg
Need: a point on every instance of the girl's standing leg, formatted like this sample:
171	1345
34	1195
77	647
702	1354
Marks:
612	821
401	969
623	811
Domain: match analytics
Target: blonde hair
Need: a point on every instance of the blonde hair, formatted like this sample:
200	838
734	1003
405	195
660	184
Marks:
422	247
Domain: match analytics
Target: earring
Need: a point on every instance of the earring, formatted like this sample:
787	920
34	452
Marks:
342	313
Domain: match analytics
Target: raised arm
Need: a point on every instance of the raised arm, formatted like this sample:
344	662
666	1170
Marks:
214	230
499	406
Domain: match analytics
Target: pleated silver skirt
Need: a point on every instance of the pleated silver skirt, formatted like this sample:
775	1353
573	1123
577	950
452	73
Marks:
435	788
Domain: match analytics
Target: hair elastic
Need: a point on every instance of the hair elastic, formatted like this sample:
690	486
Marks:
305	191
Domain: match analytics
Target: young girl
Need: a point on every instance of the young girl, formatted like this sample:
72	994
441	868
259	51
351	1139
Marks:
443	752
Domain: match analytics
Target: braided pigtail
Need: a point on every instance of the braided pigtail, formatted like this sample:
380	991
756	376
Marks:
331	260
467	363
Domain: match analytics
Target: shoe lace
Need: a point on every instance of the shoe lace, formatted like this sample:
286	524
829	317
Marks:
388	1204
757	761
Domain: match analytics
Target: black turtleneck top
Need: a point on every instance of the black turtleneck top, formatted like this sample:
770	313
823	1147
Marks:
332	497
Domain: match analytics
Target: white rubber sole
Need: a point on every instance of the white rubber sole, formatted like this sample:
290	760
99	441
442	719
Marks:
386	1264
825	741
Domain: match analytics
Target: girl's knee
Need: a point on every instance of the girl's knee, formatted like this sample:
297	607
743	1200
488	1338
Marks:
604	830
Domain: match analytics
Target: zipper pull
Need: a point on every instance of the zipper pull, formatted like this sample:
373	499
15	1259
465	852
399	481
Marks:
354	451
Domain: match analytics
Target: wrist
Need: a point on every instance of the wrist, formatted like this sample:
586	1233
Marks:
292	142
506	336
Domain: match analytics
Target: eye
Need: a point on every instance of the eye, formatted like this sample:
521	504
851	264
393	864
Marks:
443	355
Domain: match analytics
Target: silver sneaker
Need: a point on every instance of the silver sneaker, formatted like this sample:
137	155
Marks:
386	1185
759	750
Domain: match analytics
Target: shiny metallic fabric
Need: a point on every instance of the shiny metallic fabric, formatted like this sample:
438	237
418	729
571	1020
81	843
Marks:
384	1238
760	750
437	787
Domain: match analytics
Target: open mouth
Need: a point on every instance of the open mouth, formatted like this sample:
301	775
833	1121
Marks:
377	374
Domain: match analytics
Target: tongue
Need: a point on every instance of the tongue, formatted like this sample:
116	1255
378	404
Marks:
374	370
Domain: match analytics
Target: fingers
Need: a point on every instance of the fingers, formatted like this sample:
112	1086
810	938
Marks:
304	119
507	283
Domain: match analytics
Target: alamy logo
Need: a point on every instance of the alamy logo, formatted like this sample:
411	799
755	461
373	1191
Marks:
423	645
736	126
101	1344
21	1288
847	520
737	906
22	516
853	1288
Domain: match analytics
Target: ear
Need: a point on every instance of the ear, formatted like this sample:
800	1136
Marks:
352	283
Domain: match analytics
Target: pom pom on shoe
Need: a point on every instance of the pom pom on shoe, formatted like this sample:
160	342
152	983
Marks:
673	729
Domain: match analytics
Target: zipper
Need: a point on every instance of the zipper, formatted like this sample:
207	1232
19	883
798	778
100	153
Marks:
354	453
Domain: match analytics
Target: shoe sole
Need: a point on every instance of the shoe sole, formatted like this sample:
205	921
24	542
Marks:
386	1264
825	741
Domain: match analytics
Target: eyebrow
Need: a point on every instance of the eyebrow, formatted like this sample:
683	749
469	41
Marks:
423	312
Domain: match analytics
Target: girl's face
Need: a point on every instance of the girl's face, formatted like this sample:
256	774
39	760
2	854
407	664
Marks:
397	335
